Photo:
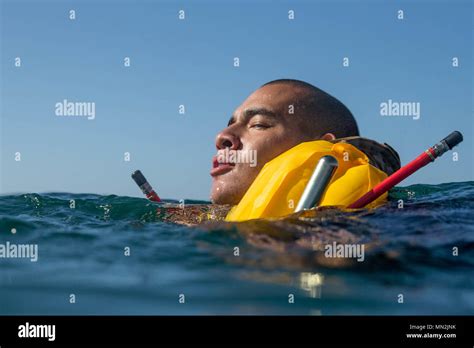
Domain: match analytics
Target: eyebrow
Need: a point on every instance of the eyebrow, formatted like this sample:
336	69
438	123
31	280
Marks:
252	112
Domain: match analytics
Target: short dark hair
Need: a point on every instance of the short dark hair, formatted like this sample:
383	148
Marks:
330	115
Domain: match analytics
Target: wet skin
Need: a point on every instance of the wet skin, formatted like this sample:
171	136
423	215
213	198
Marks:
262	123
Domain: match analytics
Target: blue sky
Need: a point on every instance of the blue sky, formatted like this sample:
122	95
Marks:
190	62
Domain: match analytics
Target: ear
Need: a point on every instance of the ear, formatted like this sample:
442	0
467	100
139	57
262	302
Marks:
328	137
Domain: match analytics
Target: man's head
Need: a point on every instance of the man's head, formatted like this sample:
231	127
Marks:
277	116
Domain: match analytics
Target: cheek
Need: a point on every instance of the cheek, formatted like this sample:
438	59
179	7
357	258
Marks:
268	147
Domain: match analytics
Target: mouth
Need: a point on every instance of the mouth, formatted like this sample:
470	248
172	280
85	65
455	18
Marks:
220	168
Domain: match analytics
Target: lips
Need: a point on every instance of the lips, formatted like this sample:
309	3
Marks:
220	168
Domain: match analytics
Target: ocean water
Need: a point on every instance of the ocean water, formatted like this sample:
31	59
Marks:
423	251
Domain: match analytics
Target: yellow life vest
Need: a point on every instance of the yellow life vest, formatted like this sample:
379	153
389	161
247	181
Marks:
279	185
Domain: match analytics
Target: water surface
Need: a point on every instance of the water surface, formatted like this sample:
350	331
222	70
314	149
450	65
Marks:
81	251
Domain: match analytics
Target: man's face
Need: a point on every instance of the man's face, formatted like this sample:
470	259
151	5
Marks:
265	125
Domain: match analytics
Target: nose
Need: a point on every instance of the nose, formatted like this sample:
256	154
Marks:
227	138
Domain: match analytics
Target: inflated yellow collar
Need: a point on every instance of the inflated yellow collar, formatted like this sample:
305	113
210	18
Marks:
280	184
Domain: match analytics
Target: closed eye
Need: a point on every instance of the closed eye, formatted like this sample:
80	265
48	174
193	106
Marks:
259	126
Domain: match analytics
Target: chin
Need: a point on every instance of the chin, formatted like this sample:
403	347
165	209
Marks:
223	197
